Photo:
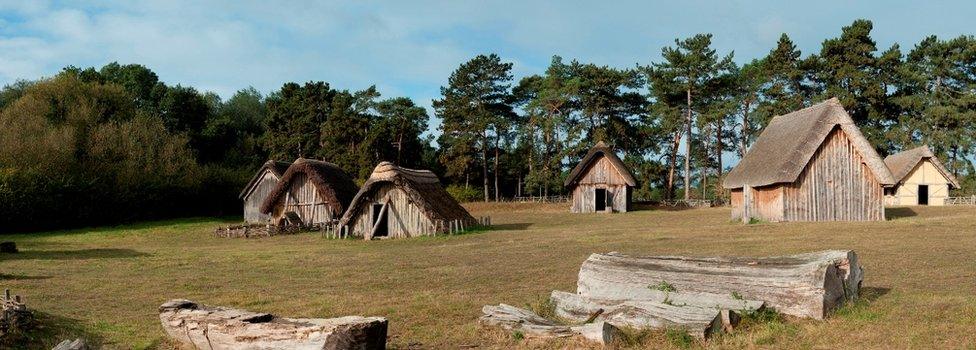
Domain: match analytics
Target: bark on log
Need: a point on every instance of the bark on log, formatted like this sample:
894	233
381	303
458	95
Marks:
804	285
215	328
698	320
534	326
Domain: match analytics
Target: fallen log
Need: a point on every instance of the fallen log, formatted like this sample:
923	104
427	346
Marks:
803	285
697	319
215	328
532	325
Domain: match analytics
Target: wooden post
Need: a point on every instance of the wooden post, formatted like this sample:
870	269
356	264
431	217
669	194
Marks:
746	203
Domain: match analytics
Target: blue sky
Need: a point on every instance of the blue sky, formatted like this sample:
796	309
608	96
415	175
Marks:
408	48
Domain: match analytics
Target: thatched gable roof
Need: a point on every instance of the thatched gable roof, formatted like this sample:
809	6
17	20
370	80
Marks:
788	143
422	188
275	167
601	149
331	183
902	163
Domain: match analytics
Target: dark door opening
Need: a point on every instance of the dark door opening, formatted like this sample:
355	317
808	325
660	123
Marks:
923	194
601	199
379	217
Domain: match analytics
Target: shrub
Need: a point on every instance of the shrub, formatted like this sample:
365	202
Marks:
465	194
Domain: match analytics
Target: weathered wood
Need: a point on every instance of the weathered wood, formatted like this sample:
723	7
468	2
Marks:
77	344
215	328
804	285
699	321
534	326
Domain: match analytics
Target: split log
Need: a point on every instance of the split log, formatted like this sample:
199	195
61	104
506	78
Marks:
698	320
77	344
212	327
805	285
534	326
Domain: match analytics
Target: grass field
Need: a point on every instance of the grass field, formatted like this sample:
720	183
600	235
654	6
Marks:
105	284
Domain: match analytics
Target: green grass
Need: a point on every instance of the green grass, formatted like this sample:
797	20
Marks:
105	284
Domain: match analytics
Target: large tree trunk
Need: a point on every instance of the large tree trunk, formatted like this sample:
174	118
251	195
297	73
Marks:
688	150
534	326
744	140
496	167
700	315
805	285
215	328
673	162
484	162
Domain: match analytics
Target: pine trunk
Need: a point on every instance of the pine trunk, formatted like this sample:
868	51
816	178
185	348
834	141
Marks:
688	151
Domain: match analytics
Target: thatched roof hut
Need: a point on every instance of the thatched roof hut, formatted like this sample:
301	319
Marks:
810	165
316	191
600	182
401	202
921	178
258	188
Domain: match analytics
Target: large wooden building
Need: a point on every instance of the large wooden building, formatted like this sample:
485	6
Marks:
600	182
921	178
399	202
810	165
263	182
310	192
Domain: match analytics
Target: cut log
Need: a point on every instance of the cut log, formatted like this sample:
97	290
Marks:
77	344
805	285
213	327
532	325
698	321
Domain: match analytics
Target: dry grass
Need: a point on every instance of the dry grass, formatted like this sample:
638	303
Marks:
105	284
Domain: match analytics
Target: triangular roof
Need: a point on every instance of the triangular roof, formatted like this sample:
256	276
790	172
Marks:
331	183
788	143
902	163
275	167
600	149
423	188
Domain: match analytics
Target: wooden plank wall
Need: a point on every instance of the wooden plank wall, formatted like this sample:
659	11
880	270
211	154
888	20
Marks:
303	199
404	218
600	174
736	201
253	200
836	185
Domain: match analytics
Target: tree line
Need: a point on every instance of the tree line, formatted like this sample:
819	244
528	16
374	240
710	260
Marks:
93	146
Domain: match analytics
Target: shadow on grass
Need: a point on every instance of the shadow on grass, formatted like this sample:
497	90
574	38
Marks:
874	293
99	253
521	226
11	277
126	226
897	213
48	331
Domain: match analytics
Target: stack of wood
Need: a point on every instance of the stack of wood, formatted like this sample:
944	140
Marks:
14	316
704	296
259	230
213	328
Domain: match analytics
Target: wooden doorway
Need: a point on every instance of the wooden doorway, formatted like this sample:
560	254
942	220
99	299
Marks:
601	199
923	194
379	218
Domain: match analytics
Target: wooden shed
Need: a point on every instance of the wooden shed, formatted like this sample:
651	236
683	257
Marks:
600	182
810	165
310	192
399	202
921	178
261	184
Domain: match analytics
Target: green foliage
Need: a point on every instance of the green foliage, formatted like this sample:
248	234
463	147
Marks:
463	194
664	286
518	335
679	338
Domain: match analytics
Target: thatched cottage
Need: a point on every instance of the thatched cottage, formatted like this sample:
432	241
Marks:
310	192
810	165
401	202
921	178
261	184
600	182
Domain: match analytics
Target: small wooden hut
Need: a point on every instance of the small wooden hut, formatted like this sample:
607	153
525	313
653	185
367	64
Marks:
399	202
310	192
600	182
810	165
261	184
921	178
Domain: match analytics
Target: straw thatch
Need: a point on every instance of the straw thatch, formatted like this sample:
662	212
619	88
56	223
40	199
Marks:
422	188
331	184
786	145
600	150
902	163
277	168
